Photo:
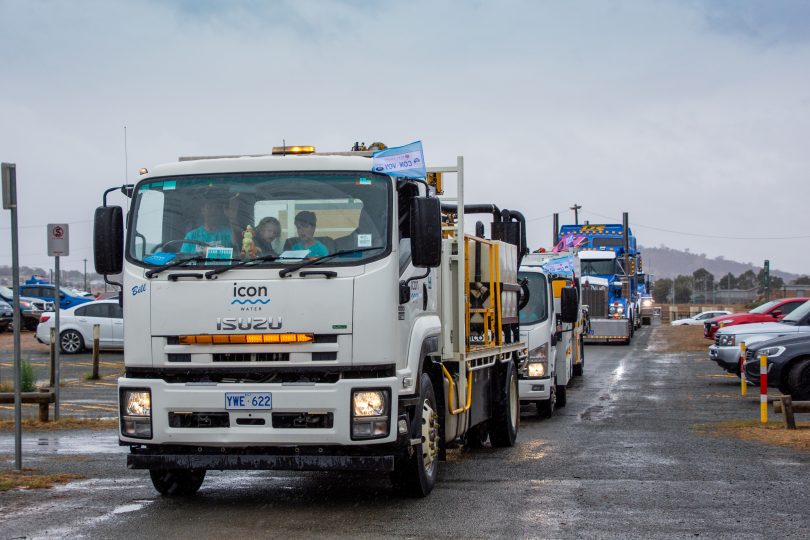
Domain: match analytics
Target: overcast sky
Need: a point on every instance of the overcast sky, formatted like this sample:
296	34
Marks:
692	116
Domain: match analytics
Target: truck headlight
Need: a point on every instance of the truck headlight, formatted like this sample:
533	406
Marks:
536	369
136	413
370	414
537	365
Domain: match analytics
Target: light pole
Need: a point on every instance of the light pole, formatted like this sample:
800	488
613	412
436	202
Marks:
576	208
85	274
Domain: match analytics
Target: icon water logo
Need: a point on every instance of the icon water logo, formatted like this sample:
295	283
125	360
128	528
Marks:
250	298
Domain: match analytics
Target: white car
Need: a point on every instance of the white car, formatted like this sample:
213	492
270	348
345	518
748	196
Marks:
76	326
700	318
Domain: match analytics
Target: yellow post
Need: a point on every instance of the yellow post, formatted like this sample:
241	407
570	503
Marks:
763	388
743	388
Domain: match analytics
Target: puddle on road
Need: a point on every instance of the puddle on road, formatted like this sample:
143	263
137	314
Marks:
65	443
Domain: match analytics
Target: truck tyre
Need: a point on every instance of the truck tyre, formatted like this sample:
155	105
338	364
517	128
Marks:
799	380
177	482
71	342
580	368
562	395
545	407
416	475
506	412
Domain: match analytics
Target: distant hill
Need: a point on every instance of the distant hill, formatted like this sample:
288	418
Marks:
663	262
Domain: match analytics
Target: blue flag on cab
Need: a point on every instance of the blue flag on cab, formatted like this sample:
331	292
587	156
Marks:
404	161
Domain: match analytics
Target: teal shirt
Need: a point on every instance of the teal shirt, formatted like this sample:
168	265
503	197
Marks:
316	250
220	237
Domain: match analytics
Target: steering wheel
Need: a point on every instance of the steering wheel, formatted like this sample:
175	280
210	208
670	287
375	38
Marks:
160	247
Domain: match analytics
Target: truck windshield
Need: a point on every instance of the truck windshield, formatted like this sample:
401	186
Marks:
537	309
605	267
282	217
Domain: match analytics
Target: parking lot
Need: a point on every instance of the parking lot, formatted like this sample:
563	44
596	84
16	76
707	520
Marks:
636	453
81	397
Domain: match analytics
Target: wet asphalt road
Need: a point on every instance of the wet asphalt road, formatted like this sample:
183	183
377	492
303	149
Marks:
620	461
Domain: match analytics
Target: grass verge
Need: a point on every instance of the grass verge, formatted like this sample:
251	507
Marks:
673	339
62	423
773	432
29	479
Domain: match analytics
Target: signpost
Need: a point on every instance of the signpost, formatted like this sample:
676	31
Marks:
9	175
58	245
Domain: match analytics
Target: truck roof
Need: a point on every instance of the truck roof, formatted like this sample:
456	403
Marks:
213	165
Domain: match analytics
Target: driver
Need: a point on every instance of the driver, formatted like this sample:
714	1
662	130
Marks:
214	231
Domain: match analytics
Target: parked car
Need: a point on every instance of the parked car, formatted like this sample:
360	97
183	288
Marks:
771	311
67	298
30	308
700	318
6	315
788	364
726	348
76	332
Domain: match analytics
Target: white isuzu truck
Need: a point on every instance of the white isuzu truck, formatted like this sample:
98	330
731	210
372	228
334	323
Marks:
305	312
552	324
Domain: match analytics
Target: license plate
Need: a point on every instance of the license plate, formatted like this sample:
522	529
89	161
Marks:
248	401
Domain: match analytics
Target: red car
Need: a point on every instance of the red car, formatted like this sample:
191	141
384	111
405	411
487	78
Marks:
771	311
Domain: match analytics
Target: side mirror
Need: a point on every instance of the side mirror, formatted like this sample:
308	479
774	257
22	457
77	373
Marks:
776	313
569	304
108	240
426	232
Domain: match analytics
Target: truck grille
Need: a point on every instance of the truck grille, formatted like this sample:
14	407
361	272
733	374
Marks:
251	357
596	300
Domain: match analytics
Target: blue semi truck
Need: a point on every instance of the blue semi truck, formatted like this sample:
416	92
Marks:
612	278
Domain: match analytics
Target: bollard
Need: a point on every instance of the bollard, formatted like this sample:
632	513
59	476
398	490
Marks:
763	388
52	359
743	386
96	337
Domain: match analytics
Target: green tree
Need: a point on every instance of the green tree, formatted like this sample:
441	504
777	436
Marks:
728	282
703	281
747	280
683	289
662	288
802	280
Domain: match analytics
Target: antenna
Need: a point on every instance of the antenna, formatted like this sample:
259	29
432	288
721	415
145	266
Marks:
126	158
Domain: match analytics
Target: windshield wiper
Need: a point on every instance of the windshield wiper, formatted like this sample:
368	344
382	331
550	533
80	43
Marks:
181	262
293	268
265	258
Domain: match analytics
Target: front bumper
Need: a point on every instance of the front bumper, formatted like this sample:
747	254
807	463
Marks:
314	398
320	459
534	389
727	358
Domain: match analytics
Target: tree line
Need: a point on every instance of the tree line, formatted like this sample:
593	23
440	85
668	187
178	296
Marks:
701	285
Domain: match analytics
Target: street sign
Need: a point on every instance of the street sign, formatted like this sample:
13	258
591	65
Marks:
58	244
9	186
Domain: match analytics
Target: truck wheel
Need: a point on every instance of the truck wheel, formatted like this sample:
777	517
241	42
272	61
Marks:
71	342
580	368
177	482
545	407
416	475
799	380
506	413
562	395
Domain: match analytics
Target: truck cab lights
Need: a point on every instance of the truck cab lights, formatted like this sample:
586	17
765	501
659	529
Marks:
284	150
240	339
